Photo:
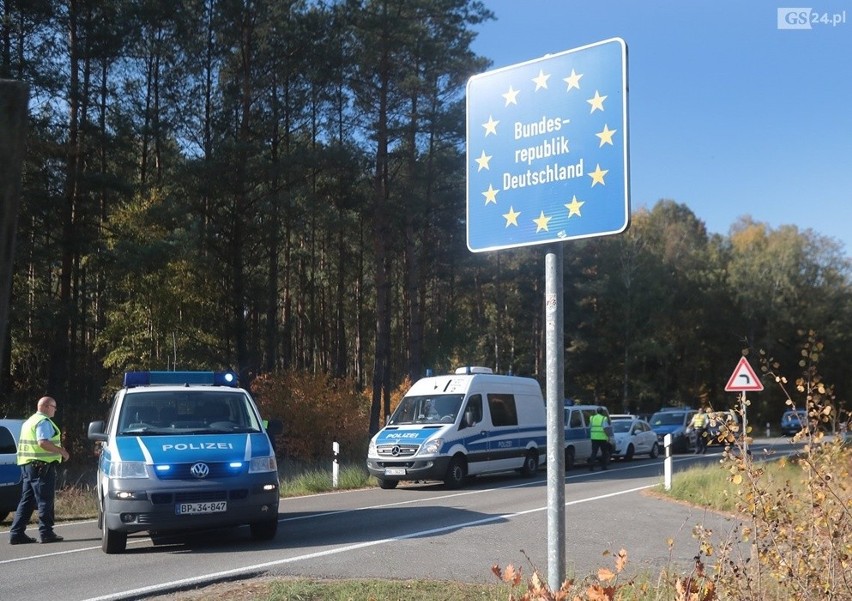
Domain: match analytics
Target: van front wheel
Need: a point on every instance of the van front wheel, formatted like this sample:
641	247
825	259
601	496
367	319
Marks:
387	484
569	458
264	530
455	473
530	466
113	541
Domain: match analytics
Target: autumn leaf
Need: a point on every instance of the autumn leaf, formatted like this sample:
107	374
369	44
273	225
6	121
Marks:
605	574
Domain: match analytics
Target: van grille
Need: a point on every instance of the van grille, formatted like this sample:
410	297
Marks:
397	450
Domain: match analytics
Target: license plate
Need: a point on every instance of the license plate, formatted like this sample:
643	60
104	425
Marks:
394	471
200	508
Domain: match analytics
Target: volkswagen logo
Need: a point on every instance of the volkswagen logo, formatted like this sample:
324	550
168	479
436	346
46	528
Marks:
200	470
395	450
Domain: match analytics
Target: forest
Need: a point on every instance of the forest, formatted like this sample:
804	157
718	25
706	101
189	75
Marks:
278	187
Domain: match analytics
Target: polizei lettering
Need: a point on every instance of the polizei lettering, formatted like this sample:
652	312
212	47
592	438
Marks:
402	435
198	446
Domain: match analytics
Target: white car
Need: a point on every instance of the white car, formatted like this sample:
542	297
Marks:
633	436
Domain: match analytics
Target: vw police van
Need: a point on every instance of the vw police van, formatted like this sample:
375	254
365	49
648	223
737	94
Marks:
180	451
463	424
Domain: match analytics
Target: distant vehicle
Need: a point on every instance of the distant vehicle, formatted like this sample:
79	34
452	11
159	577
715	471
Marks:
10	471
674	421
793	421
720	424
633	436
578	440
467	423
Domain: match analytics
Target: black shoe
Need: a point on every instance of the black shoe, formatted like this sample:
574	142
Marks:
21	539
51	538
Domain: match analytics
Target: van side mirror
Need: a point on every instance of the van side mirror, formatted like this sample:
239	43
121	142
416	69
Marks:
274	427
468	420
96	431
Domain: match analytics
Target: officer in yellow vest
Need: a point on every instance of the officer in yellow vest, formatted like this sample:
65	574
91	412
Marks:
39	452
599	423
699	424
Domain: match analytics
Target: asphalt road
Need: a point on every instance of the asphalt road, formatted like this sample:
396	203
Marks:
414	531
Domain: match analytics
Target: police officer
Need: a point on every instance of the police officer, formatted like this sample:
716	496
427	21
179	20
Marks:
599	423
699	424
39	452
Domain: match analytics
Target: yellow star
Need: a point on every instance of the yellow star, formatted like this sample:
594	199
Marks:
511	96
541	80
482	161
606	135
596	102
574	207
541	222
511	217
598	175
490	126
573	81
490	194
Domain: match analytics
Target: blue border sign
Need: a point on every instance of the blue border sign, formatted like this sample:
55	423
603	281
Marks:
547	153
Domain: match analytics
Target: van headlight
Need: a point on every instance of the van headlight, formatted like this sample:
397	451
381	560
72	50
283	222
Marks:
371	449
432	447
127	469
263	464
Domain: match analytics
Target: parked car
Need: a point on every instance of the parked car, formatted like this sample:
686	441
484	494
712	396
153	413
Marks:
10	472
674	421
633	436
793	421
723	427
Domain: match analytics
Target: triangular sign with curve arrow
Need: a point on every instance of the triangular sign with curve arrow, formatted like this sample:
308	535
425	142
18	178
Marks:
743	379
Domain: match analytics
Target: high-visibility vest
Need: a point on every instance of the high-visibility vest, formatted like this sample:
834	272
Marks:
597	427
28	447
699	420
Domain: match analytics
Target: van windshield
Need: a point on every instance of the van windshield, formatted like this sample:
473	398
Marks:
433	409
186	412
667	418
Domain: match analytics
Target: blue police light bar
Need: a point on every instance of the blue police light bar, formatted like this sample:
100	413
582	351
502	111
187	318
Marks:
180	378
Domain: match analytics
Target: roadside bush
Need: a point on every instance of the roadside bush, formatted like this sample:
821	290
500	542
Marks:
317	410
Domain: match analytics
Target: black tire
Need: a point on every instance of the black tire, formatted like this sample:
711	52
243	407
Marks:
265	530
530	466
569	458
387	484
628	456
3	515
456	473
655	451
113	541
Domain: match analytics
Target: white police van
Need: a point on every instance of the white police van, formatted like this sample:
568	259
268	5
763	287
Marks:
453	426
181	451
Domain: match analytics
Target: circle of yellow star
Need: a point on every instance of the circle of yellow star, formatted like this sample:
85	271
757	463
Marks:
598	175
541	222
490	126
482	161
574	207
511	96
490	194
573	80
511	217
606	135
596	102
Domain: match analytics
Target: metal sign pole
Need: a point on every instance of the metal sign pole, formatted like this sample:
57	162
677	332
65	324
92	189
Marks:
555	360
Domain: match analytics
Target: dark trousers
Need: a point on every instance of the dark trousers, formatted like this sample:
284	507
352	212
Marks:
603	447
701	441
38	492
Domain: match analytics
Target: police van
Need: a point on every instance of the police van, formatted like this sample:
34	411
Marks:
463	424
181	451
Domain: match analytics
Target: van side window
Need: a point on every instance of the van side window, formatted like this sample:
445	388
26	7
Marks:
576	420
7	442
503	409
473	411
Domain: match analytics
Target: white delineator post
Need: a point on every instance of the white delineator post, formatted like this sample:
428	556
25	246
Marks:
667	467
335	466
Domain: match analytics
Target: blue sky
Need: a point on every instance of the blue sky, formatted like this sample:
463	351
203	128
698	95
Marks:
728	114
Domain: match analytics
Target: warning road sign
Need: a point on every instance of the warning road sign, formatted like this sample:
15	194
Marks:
743	379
